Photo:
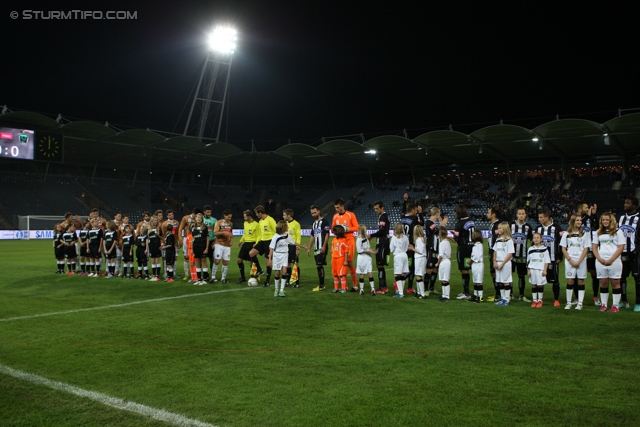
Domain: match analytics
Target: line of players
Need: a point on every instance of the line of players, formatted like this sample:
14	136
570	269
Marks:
605	248
216	242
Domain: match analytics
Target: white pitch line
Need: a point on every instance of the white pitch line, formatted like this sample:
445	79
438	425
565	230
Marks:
104	307
125	405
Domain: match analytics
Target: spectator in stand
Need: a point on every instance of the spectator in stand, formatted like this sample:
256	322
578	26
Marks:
406	199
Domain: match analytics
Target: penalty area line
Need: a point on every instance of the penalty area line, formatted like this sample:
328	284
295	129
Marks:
104	307
122	404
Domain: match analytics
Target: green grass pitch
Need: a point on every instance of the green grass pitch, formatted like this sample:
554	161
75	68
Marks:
245	358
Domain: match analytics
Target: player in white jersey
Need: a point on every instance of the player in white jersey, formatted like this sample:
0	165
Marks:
608	244
398	246
419	249
477	267
364	264
503	251
279	255
443	265
537	264
575	244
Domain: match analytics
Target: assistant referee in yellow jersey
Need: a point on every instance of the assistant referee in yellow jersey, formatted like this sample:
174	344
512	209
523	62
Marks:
295	232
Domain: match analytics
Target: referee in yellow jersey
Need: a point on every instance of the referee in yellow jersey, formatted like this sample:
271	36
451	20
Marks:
249	238
267	227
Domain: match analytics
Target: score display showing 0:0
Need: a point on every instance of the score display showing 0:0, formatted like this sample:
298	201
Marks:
15	151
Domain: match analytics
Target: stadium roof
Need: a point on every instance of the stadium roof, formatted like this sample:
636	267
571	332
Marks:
562	141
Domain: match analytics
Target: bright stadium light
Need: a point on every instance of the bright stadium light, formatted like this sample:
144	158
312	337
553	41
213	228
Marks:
223	39
370	152
211	91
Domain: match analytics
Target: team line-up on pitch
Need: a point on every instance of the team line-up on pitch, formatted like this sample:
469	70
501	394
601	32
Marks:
419	244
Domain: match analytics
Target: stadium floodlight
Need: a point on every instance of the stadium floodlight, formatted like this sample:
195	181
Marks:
535	139
211	91
223	39
370	152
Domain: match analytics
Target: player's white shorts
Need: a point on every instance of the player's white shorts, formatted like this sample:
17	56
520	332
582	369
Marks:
280	259
400	263
420	266
477	272
571	272
223	252
613	271
504	275
537	279
364	265
444	270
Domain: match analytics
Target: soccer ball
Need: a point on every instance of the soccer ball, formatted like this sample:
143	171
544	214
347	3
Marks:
253	282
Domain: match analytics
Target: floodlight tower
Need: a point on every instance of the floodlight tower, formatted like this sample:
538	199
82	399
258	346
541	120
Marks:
213	83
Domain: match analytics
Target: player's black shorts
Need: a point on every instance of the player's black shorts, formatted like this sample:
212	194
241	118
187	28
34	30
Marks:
432	259
58	252
198	251
382	254
83	250
170	256
112	255
263	247
70	252
94	251
411	258
292	254
321	259
553	272
141	257
244	251
464	251
519	266
154	251
591	261
127	255
629	265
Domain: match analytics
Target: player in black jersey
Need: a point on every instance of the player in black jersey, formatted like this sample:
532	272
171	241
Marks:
629	223
169	248
550	233
463	232
521	233
58	247
382	245
319	241
153	244
141	252
433	242
409	222
494	215
110	247
69	239
128	242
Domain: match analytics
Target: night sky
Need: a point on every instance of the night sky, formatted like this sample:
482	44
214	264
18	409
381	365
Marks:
304	70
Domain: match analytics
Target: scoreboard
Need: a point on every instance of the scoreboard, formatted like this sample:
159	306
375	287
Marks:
17	143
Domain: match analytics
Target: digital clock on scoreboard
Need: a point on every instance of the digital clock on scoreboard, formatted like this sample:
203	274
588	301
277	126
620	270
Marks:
17	143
